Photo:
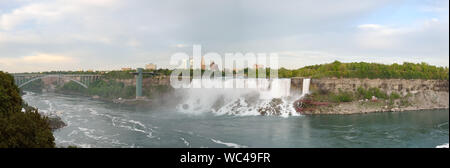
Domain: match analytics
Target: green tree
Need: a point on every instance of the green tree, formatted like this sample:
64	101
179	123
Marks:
10	100
20	129
369	70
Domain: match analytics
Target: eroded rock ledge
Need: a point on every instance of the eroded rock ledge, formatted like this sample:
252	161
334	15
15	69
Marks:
417	94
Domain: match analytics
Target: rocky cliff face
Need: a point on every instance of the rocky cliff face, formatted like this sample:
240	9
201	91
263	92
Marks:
147	81
402	86
417	94
426	100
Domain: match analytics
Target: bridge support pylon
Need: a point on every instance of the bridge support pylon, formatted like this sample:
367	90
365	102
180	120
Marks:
139	83
139	75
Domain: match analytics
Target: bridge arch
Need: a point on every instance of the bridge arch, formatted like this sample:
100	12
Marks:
47	76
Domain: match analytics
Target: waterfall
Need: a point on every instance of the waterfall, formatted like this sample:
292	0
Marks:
241	96
277	88
268	89
305	89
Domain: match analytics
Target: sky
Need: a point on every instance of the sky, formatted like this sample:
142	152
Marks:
45	35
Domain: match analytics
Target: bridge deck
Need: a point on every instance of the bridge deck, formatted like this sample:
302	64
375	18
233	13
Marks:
82	79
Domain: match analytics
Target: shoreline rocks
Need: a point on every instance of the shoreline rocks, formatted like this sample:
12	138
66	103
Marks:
55	122
414	94
427	100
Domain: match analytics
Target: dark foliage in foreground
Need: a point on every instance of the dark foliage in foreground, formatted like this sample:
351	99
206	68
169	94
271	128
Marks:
20	129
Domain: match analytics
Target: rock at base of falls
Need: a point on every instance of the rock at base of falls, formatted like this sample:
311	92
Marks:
272	108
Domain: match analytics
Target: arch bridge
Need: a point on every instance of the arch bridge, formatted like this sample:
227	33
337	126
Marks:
81	79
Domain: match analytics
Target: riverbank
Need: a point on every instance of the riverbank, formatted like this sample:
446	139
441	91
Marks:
123	101
427	100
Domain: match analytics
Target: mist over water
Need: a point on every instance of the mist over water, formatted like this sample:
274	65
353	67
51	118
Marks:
241	97
93	123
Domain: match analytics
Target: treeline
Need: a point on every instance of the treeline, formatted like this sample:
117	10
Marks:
112	89
129	74
117	74
369	70
20	125
106	89
335	69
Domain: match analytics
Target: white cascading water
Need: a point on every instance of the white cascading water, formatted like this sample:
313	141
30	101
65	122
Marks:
305	89
252	97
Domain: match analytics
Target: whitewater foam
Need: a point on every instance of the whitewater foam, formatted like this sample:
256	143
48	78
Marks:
137	122
254	97
133	125
232	145
442	146
272	107
89	133
72	133
185	142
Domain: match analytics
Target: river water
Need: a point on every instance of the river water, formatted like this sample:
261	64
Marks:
93	123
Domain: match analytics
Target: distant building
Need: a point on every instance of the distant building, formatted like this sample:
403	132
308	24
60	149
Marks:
150	66
126	69
258	66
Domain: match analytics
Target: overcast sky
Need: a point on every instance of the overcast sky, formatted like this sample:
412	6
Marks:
44	35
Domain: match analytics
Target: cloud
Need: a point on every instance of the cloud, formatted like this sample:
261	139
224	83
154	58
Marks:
133	43
49	11
44	58
370	26
436	6
181	45
374	36
295	59
38	60
116	33
33	12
